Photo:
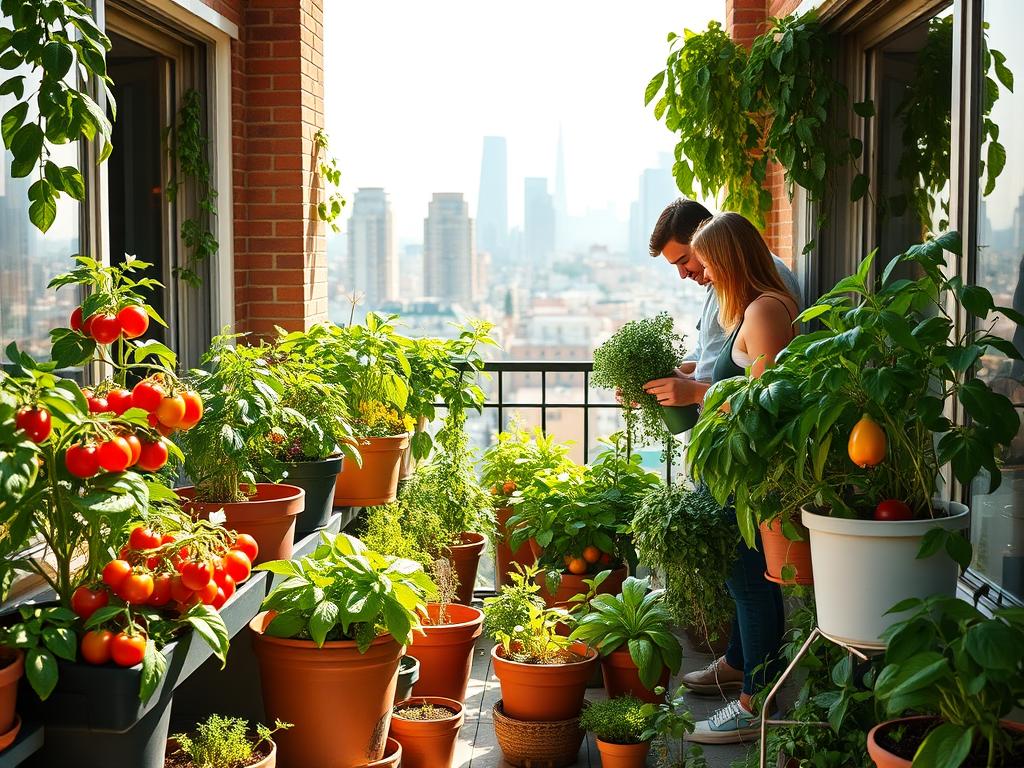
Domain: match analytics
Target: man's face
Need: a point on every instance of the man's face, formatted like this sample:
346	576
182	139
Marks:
686	263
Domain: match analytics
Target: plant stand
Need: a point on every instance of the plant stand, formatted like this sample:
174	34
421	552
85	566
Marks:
767	705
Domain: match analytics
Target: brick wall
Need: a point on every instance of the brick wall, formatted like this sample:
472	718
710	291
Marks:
745	20
277	106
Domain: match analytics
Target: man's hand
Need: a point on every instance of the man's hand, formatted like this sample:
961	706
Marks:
676	390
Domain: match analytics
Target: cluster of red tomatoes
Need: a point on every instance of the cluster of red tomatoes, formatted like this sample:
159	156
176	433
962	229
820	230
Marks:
158	570
168	410
85	460
131	322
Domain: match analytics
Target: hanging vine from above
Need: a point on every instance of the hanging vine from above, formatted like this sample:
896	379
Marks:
328	209
57	42
735	112
187	148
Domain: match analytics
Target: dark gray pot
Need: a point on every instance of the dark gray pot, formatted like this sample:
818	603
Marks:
408	674
317	479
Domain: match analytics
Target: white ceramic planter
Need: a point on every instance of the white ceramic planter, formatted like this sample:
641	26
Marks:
862	568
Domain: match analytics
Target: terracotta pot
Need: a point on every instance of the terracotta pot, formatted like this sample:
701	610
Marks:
622	678
322	689
572	585
392	756
268	516
376	482
9	677
445	651
543	692
270	761
427	743
883	758
503	552
780	552
623	755
465	559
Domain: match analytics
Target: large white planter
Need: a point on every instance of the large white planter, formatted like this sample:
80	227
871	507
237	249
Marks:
862	568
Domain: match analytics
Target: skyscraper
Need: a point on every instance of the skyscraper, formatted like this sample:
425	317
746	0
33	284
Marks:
492	205
657	189
449	256
538	222
371	251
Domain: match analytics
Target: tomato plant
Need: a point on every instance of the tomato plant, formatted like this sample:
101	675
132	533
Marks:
35	422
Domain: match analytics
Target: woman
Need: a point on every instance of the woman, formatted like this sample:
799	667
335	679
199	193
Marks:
758	309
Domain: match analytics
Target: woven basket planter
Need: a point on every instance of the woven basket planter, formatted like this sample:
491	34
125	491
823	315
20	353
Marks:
533	744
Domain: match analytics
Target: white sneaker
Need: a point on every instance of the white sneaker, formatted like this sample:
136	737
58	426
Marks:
731	724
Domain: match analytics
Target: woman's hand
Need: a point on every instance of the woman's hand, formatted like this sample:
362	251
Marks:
676	390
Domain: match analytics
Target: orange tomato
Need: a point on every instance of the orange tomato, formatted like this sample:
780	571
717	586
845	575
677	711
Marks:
578	566
509	488
867	443
171	410
591	554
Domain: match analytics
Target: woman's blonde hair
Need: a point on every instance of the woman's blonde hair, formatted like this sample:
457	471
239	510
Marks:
743	265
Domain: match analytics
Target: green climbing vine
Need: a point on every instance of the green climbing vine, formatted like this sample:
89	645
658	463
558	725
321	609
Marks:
328	209
187	148
57	42
736	111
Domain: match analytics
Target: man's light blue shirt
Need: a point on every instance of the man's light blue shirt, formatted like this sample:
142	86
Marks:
711	337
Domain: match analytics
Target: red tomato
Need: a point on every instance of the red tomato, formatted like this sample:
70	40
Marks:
76	320
247	544
127	650
97	404
153	456
87	325
161	590
208	593
195	575
115	455
136	588
143	538
96	646
119	400
106	329
179	592
136	448
147	395
164	430
35	423
228	587
115	572
133	321
218	600
237	565
193	410
171	410
82	460
85	602
893	509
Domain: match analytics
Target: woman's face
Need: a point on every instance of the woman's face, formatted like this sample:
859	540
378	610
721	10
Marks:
709	270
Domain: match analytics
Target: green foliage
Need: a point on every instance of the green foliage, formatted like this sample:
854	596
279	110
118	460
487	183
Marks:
620	720
518	456
371	357
537	639
328	209
640	351
187	149
949	660
60	42
44	634
887	348
343	591
510	608
685	535
224	742
669	723
637	619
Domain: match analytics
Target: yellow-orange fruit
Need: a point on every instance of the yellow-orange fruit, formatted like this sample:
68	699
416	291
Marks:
867	444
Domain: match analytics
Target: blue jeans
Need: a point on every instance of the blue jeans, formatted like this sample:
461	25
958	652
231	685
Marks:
760	620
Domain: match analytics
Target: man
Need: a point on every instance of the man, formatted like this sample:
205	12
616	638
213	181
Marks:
671	239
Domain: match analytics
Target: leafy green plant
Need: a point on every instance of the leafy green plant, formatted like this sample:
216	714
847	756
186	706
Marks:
669	723
510	608
949	660
537	639
225	742
637	619
685	536
343	591
329	209
61	44
890	349
187	149
44	634
517	457
621	720
640	351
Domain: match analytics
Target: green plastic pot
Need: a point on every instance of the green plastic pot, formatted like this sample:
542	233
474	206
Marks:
679	418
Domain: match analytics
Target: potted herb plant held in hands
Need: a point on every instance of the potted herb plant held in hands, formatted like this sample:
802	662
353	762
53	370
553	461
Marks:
619	725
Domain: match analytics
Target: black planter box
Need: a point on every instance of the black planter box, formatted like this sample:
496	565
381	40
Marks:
317	479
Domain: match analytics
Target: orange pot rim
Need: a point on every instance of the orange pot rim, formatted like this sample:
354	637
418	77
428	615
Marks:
895	761
477	620
12	672
497	652
266	493
259	623
381	444
438	701
7	738
392	754
613	747
472	543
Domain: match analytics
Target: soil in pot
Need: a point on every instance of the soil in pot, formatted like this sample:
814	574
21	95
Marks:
465	559
427	727
544	692
264	756
780	552
445	650
317	479
623	755
12	667
622	678
894	744
376	481
504	553
268	516
572	585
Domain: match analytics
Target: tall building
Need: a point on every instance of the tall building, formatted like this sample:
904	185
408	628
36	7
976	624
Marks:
449	256
657	189
561	198
492	205
538	222
372	270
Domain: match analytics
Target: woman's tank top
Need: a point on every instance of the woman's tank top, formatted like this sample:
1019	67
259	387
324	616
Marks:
725	366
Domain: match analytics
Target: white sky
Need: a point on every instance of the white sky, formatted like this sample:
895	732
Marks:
413	87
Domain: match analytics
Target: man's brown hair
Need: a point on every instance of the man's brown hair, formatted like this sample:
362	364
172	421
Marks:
677	222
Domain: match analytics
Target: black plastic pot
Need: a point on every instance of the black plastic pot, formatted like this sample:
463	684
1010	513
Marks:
408	674
317	479
679	418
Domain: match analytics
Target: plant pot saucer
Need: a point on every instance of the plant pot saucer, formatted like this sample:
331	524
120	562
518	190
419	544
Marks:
6	739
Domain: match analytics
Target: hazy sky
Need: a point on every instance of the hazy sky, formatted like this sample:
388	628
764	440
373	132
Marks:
412	88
